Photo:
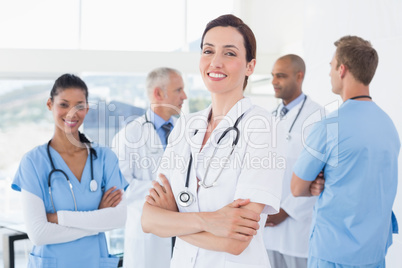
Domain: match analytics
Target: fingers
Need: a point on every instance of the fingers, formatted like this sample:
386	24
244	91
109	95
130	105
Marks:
158	188
242	237
161	195
248	227
233	222
268	222
107	193
320	181
111	198
250	215
165	183
115	198
153	194
149	199
242	229
317	187
239	203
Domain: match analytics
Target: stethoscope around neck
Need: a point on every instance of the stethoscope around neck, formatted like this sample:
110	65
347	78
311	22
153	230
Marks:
93	185
185	197
150	149
288	136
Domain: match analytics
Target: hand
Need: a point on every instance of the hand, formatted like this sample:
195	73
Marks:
111	198
162	195
52	217
233	221
276	219
317	186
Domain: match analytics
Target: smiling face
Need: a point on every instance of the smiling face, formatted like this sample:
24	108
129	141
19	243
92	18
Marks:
223	63
69	109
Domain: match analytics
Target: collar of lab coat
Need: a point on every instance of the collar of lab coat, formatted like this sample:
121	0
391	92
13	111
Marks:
292	112
157	120
229	120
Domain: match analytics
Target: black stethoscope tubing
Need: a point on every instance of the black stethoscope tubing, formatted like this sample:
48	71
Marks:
185	198
93	184
361	97
148	122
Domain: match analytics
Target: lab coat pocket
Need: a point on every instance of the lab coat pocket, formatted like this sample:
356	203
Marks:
36	261
230	264
109	262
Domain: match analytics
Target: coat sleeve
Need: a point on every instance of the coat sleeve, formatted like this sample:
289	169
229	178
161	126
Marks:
42	232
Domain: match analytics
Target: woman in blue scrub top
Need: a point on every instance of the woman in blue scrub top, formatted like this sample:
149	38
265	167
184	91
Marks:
71	189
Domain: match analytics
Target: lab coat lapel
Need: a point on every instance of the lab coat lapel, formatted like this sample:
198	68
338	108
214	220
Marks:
200	125
153	139
230	118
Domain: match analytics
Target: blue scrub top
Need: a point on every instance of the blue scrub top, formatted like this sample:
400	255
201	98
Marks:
32	176
358	147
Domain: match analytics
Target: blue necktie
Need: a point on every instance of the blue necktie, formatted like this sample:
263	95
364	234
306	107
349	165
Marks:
167	128
284	111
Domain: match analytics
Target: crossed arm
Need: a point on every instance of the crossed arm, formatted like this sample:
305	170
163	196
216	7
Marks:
45	228
111	214
229	229
300	187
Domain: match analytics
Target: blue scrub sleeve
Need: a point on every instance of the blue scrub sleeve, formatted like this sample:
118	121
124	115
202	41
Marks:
28	176
111	172
314	155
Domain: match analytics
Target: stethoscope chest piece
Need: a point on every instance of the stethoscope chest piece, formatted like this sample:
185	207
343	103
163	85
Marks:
93	185
185	198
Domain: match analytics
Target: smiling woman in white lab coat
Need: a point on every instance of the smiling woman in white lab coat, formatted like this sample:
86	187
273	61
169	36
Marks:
217	156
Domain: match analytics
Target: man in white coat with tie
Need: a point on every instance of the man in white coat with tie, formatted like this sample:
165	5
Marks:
139	147
286	235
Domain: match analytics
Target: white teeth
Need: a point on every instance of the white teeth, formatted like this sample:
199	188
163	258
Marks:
216	75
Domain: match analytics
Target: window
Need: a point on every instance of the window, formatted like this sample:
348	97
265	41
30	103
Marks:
124	25
24	124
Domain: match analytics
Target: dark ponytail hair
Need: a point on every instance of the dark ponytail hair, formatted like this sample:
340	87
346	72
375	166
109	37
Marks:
85	140
67	81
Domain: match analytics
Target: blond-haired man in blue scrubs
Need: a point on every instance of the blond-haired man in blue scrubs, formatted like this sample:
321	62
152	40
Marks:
357	147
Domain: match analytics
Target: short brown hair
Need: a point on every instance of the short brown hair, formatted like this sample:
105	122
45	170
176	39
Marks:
358	56
248	36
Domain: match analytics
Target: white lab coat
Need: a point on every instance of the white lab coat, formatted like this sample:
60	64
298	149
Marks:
292	235
244	177
139	150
